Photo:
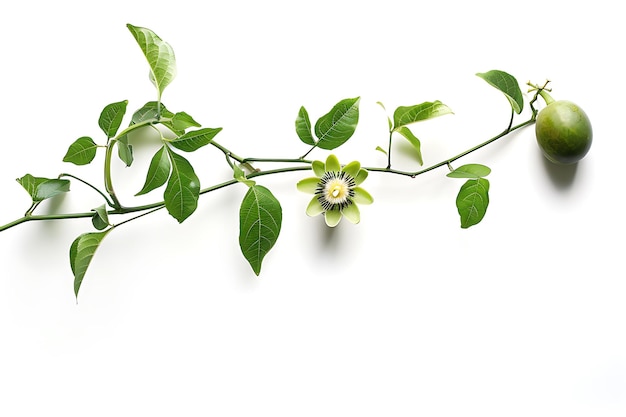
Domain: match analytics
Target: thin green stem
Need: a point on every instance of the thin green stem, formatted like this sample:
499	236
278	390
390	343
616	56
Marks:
309	151
228	152
279	171
487	142
32	208
246	161
44	217
215	187
139	216
510	121
108	180
229	162
389	150
532	107
135	126
279	160
109	202
449	161
389	171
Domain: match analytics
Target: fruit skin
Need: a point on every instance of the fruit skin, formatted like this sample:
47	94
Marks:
563	132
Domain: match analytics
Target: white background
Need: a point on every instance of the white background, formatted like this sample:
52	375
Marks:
405	314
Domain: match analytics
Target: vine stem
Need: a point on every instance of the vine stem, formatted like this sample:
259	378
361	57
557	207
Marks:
149	208
285	160
152	207
109	202
108	181
449	161
389	150
29	218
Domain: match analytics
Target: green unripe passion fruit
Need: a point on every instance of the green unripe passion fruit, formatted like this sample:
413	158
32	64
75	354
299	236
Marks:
563	132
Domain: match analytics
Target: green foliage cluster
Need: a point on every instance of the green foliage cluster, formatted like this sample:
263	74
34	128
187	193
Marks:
260	211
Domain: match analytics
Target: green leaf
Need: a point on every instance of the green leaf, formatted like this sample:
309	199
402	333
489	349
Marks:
81	253
472	201
183	188
380	149
125	150
50	188
160	56
100	219
31	183
240	176
157	112
303	127
508	85
404	131
260	219
470	171
111	118
158	172
152	110
337	126
40	188
81	152
405	115
182	121
196	139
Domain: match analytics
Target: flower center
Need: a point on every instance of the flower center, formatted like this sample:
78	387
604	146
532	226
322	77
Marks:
335	190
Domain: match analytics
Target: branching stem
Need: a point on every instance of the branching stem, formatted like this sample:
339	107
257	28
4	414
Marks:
108	180
118	209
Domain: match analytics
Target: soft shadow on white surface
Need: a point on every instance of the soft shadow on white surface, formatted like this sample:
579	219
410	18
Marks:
403	314
563	177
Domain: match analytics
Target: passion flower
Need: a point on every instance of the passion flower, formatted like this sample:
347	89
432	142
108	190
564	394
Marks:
336	190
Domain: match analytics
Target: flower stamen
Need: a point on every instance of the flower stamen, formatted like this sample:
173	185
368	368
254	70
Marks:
335	190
